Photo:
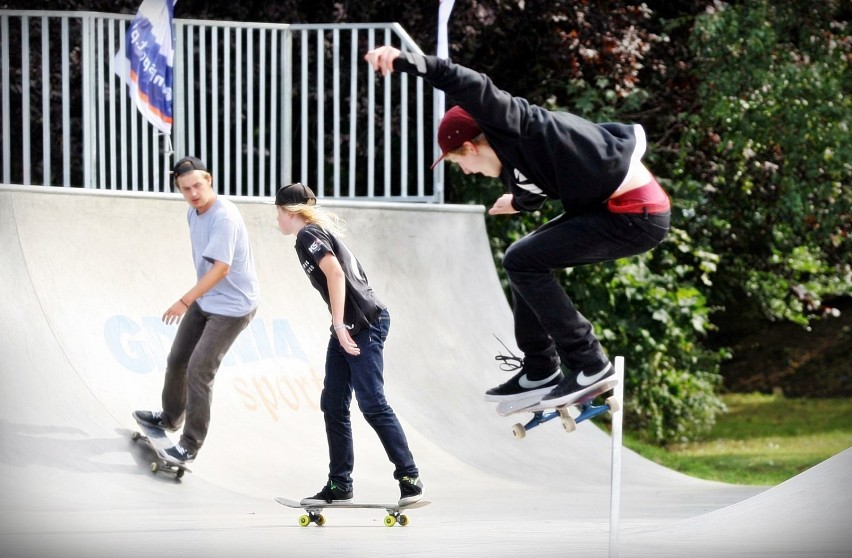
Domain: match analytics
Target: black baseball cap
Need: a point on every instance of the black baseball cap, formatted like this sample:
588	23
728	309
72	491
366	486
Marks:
295	194
188	164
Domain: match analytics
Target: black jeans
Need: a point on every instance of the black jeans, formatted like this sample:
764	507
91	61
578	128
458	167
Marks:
547	325
198	349
363	374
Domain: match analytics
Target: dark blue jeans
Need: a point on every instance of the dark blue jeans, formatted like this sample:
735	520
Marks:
547	325
363	374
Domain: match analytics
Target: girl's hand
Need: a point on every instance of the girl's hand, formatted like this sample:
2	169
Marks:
347	342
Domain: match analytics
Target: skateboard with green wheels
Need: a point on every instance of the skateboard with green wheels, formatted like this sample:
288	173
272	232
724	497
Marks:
314	511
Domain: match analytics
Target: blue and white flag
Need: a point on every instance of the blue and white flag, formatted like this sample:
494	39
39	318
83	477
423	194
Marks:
146	61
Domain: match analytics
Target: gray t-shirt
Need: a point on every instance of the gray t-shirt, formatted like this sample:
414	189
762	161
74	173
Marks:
220	234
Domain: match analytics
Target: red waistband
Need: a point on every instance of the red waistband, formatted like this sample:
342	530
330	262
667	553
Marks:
649	198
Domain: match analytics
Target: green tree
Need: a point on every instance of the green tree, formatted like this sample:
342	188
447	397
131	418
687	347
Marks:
765	161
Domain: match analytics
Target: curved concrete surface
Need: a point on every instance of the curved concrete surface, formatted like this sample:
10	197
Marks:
85	278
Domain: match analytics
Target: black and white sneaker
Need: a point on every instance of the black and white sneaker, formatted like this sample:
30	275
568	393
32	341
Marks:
521	386
410	490
575	386
331	493
155	419
179	455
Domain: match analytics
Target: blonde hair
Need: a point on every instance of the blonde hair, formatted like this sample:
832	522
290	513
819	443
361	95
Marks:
316	215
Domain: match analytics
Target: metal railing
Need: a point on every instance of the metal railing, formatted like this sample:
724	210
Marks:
262	104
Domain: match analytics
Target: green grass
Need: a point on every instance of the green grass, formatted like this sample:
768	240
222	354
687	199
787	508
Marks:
762	439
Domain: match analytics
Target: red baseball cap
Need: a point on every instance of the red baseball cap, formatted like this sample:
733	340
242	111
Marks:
456	127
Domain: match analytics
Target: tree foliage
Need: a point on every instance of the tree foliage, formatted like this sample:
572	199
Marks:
768	150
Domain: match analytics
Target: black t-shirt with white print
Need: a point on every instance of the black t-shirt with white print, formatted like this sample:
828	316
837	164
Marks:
362	305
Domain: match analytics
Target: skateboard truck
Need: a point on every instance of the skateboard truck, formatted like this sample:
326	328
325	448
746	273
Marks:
588	410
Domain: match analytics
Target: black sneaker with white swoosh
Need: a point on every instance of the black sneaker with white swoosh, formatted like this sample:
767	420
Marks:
521	386
575	386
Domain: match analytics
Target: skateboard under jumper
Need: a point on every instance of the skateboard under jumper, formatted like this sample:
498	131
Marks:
314	511
544	412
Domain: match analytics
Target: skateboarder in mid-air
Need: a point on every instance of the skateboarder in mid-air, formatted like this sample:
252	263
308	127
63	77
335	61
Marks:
354	357
211	314
613	206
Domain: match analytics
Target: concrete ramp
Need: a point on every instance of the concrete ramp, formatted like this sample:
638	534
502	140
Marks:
85	278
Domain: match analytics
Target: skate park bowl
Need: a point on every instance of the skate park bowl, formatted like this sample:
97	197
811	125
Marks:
85	278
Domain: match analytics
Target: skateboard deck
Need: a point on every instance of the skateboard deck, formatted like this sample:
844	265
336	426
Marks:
314	511
544	412
158	440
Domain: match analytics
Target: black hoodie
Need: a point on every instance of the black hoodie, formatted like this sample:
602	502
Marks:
545	154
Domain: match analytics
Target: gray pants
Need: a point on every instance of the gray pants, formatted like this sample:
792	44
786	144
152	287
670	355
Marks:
198	349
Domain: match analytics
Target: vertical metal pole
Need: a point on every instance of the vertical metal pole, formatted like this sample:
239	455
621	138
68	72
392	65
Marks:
353	111
304	174
100	98
26	112
250	180
320	181
386	124
615	486
5	91
274	81
66	108
258	184
45	101
371	122
238	116
225	186
287	108
335	49
214	99
203	76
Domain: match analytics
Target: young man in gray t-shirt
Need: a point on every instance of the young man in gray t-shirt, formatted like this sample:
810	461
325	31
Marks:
210	315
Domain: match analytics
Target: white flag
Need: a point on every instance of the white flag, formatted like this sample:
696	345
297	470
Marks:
444	11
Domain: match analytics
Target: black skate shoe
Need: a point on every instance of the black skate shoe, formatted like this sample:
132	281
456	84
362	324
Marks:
154	418
331	493
410	490
521	386
575	386
179	455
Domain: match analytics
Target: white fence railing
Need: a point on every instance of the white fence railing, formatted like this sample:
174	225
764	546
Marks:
262	104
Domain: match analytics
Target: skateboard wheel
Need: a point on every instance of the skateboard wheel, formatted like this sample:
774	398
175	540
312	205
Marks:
403	520
135	436
304	521
179	474
519	431
390	521
569	424
613	404
155	467
320	520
